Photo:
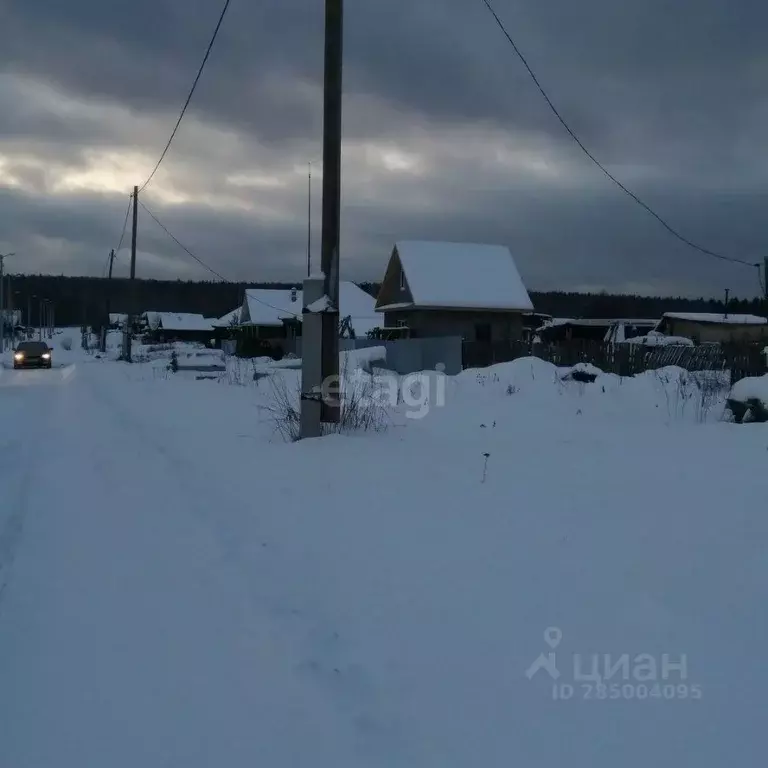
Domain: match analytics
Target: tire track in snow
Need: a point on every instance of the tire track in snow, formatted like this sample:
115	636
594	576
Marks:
21	461
322	655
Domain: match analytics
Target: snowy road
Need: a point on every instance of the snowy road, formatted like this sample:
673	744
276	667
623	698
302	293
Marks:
112	653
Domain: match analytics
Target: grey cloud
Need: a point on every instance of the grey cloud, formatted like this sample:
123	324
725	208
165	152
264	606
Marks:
670	95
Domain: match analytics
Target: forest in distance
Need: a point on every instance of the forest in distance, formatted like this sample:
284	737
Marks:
85	300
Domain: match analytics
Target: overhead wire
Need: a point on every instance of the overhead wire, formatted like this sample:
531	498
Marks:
674	232
206	266
189	96
181	245
125	225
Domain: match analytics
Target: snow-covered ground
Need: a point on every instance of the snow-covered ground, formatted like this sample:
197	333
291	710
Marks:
180	587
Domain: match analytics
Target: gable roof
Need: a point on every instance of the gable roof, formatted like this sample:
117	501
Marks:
460	276
267	306
719	319
270	306
179	321
229	318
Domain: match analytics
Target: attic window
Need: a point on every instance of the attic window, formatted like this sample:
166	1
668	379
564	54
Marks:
402	279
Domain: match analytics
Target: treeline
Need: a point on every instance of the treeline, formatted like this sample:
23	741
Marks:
607	305
79	300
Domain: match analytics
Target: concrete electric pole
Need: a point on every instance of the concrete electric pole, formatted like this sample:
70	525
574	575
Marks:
765	279
320	325
103	341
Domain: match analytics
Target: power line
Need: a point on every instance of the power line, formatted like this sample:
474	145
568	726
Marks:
204	265
181	245
125	224
583	148
191	92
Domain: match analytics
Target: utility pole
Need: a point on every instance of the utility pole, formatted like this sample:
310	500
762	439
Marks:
334	37
3	257
129	324
11	312
765	279
320	325
103	341
725	312
41	311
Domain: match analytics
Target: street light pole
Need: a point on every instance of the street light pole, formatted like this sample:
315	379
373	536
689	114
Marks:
309	216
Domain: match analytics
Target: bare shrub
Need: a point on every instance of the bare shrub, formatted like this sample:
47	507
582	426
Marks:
703	390
284	408
362	409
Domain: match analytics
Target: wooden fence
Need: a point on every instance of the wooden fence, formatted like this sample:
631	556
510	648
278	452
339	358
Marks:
623	359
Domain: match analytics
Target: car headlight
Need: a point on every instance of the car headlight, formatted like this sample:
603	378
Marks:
18	356
46	355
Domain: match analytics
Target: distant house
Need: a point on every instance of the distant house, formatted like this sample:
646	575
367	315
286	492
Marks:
117	320
454	289
712	327
178	326
613	330
276	314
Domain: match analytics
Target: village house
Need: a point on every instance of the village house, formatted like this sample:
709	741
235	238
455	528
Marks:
454	289
712	327
270	314
178	326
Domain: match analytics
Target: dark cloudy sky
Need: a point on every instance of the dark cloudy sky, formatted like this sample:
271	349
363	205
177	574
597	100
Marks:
445	135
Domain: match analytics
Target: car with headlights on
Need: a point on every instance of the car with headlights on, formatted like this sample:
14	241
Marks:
32	354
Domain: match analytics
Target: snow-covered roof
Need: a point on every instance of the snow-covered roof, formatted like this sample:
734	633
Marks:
712	317
595	322
179	321
229	318
461	275
656	339
267	306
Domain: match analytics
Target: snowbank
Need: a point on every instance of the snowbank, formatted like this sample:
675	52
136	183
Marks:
585	372
529	384
748	399
751	388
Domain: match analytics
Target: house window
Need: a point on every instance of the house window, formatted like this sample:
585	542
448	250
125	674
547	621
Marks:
402	279
402	323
